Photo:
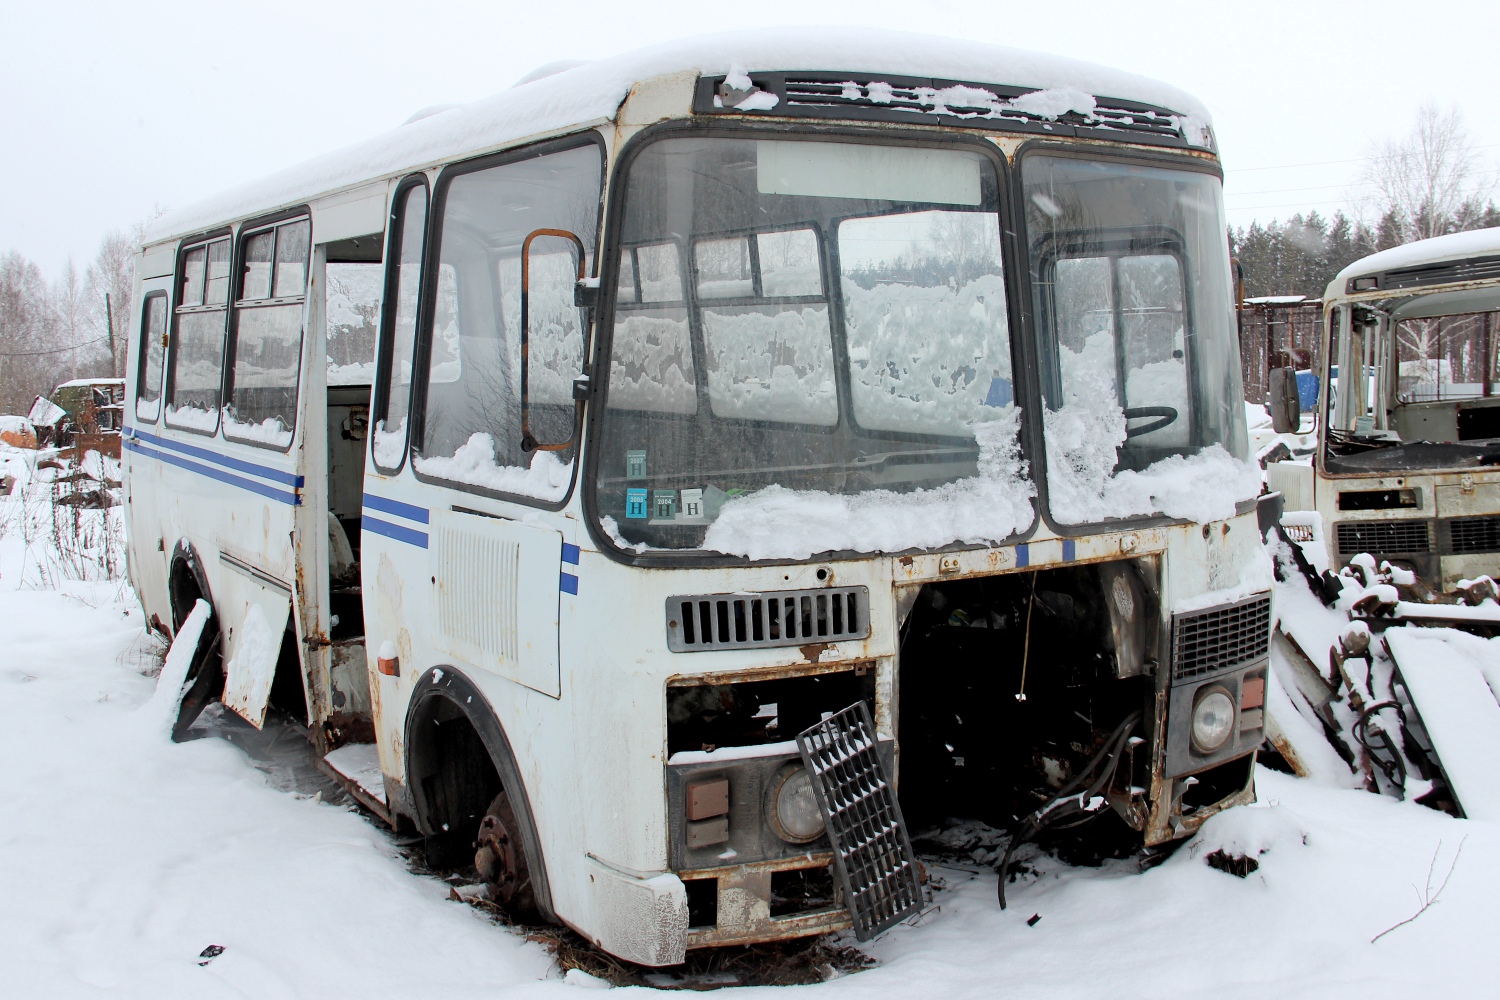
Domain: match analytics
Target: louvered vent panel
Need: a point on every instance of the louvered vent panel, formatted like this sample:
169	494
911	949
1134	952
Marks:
1205	642
1380	537
778	618
479	576
942	102
1474	534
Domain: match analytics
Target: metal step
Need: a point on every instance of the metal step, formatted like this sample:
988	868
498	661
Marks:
871	850
356	766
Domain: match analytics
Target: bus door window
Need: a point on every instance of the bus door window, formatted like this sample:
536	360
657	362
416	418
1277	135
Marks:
399	319
196	353
153	348
267	346
470	428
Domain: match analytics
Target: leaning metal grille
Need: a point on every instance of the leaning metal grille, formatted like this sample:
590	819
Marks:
915	100
778	618
1474	534
1204	642
871	851
1377	537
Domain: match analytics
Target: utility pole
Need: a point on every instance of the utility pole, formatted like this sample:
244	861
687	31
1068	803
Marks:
109	322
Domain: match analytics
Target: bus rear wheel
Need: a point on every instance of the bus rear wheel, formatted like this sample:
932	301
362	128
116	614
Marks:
501	861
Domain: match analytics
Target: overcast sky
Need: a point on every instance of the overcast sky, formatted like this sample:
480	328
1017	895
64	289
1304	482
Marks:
110	109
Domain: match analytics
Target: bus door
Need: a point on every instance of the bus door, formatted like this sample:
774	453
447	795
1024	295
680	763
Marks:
143	505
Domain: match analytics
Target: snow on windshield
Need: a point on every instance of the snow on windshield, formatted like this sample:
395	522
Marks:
474	463
781	523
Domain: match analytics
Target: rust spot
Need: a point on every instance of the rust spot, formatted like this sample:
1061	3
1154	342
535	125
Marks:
906	561
813	651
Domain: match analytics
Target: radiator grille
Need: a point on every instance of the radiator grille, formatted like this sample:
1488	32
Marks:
779	618
1474	534
871	850
1379	537
1204	642
945	102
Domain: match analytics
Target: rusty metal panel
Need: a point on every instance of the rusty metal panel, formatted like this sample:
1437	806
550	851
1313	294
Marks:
252	648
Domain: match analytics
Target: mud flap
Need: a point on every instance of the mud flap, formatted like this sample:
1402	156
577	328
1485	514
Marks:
871	850
251	651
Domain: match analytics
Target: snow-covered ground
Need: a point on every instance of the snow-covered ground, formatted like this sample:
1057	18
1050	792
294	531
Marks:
123	856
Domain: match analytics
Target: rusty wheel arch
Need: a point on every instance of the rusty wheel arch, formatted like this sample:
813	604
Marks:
186	560
445	687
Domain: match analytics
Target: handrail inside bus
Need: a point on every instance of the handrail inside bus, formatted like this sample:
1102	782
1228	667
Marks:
528	440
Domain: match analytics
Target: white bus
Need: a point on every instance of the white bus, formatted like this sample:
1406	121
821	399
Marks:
1408	460
721	388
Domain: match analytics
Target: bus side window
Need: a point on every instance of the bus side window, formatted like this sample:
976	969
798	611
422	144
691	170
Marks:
195	361
267	346
469	428
399	326
153	346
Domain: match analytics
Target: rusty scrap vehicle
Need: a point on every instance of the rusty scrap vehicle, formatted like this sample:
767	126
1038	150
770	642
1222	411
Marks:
775	450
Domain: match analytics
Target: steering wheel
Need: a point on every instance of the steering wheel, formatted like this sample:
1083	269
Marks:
1164	415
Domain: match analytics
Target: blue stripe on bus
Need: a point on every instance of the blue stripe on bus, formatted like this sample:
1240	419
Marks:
568	584
396	507
1069	550
396	531
264	489
570	554
1023	556
239	465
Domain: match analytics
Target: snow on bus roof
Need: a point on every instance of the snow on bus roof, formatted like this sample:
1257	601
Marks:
592	92
1454	246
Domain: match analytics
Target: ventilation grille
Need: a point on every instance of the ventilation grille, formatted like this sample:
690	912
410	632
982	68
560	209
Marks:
1474	534
871	850
781	618
1471	269
1205	642
477	580
926	101
1384	537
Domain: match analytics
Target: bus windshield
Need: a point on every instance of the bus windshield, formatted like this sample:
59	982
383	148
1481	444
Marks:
1135	323
805	330
1429	398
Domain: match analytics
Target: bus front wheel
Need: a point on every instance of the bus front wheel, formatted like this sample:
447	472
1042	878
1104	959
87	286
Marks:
501	860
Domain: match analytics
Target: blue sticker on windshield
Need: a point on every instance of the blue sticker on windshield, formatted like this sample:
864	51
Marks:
635	465
635	503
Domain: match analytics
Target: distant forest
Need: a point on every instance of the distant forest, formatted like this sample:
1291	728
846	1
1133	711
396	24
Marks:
1301	255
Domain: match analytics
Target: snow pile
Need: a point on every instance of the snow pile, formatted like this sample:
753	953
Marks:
269	431
547	478
1083	440
390	445
779	523
771	364
194	418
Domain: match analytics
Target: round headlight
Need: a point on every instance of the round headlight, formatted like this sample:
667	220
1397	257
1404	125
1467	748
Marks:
1213	720
792	807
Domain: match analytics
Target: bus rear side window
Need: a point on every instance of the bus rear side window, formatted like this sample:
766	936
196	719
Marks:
394	392
262	407
196	353
153	345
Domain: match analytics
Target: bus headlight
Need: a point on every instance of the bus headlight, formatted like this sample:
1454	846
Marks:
792	807
1213	720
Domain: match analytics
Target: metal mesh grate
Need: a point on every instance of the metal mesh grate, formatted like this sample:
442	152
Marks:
1207	641
871	851
1377	537
780	618
1474	534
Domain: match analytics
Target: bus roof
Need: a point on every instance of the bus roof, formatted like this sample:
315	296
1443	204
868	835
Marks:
1438	249
591	93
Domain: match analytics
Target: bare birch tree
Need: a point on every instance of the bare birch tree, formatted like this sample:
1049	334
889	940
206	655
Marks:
1431	181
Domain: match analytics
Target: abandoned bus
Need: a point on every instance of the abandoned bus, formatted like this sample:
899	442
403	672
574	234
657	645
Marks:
722	392
1408	460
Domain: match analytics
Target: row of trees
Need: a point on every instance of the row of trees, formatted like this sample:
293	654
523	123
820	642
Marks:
71	327
1429	183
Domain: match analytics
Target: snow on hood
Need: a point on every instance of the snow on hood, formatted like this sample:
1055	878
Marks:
591	93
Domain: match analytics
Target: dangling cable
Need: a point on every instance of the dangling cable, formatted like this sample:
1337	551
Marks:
1026	643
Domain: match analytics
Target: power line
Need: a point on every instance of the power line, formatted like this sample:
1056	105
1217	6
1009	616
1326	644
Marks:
1316	187
54	350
